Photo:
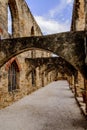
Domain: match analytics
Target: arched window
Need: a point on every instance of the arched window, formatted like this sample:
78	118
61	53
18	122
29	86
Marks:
13	77
9	21
32	31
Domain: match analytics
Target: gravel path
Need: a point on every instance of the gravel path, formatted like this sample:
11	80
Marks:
50	108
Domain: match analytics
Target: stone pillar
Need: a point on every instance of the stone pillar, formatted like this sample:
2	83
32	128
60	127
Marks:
40	76
38	84
85	14
42	79
70	81
85	87
4	19
85	38
56	74
76	83
85	42
80	84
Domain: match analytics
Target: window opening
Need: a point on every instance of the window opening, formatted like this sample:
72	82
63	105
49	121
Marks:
9	21
32	31
12	77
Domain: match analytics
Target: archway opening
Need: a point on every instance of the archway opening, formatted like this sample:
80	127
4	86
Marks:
32	31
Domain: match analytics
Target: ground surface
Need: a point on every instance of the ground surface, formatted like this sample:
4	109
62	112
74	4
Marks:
50	108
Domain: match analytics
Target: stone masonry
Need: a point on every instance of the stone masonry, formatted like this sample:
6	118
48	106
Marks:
26	55
23	25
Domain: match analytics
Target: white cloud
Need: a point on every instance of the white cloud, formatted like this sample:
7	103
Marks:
60	7
51	26
57	9
69	1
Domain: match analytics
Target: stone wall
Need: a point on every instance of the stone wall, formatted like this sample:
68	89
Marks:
22	19
80	84
25	86
23	25
78	17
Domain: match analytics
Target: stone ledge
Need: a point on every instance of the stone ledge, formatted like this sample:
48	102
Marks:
81	105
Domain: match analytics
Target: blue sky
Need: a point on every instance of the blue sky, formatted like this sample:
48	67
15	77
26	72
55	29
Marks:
53	16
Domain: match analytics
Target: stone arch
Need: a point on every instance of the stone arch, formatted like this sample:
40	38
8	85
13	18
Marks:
66	45
22	19
51	63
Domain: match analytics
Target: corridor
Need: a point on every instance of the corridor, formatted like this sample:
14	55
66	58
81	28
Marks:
50	108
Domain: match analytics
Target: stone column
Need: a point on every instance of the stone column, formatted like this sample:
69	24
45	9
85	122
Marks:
85	87
42	79
85	81
56	74
76	83
70	82
85	38
4	18
85	10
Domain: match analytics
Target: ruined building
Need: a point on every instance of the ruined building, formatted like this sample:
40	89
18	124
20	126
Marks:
26	61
